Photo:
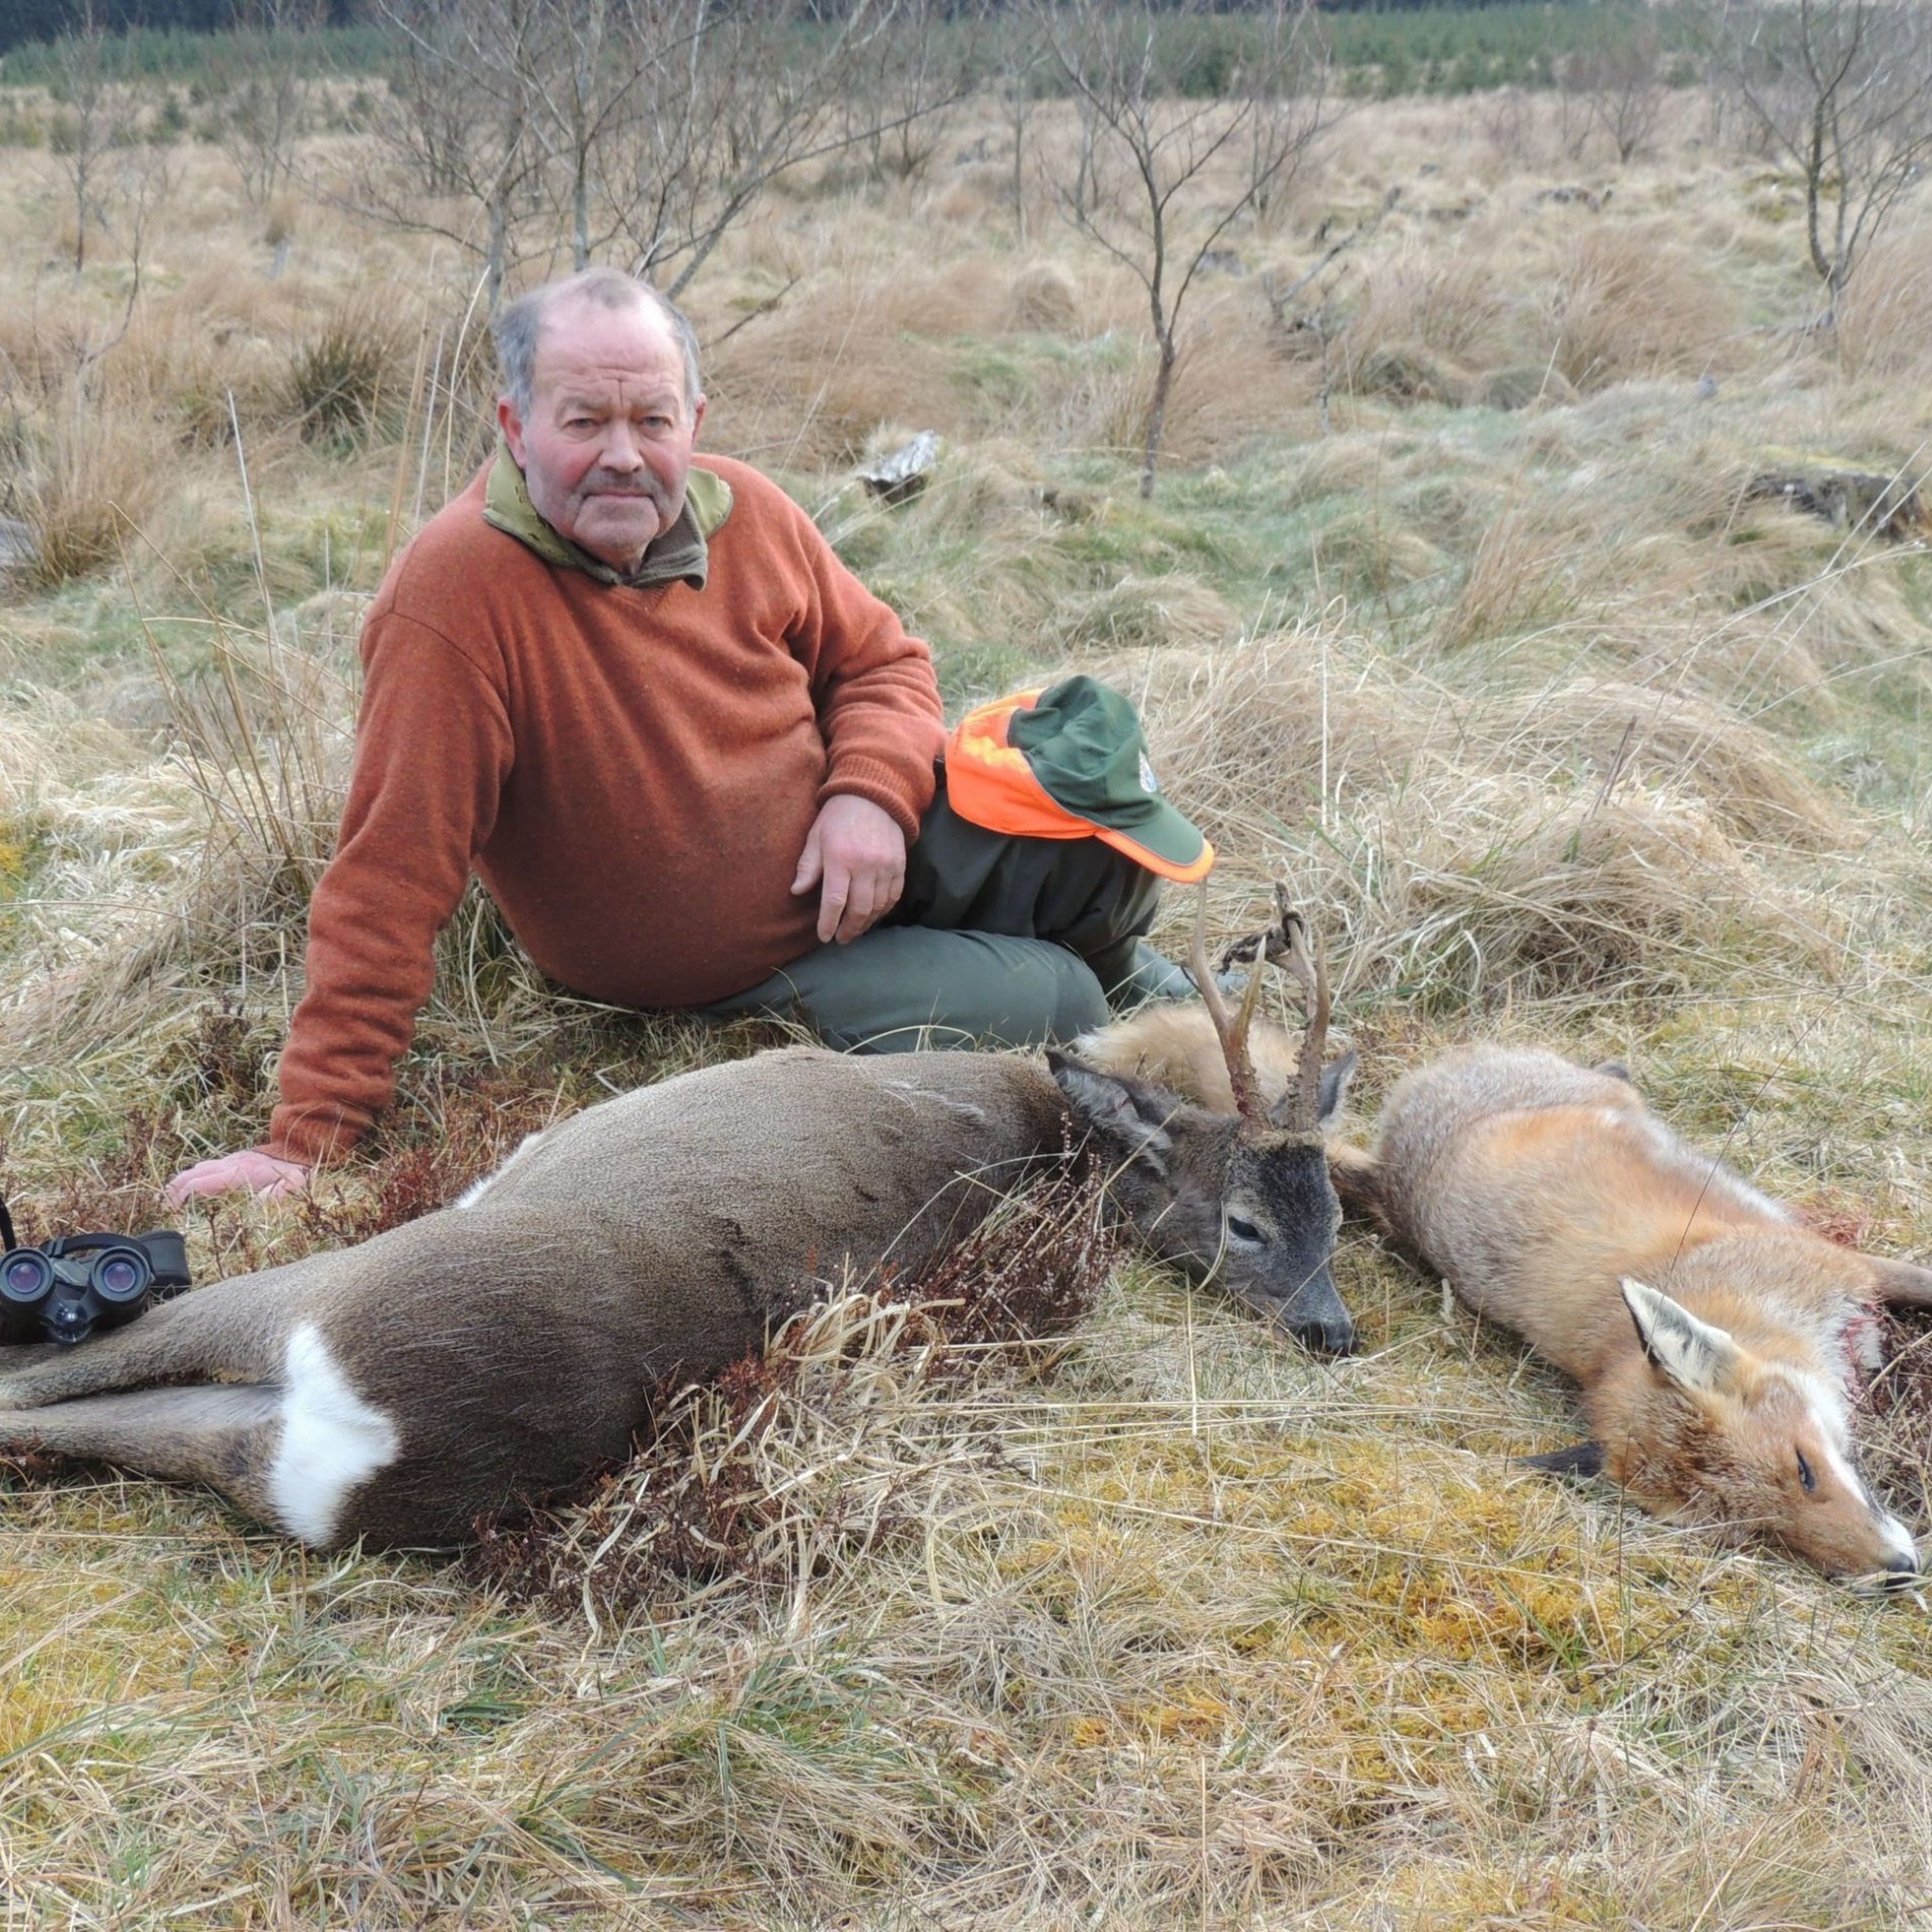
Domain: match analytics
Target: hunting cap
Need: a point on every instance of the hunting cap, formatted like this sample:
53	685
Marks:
1070	761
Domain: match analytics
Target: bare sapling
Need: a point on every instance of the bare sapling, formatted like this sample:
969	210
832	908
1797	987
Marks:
1721	1344
1162	178
1841	89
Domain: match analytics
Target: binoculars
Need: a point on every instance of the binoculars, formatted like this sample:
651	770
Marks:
65	1289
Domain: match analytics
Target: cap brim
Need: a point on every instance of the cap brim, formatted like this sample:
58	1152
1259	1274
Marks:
1166	845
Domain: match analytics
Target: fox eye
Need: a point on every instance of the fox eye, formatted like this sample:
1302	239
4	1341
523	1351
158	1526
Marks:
1243	1230
1805	1474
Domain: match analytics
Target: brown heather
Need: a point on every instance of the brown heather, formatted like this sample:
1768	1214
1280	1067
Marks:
926	1621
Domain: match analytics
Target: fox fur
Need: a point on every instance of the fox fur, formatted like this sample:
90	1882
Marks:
1720	1343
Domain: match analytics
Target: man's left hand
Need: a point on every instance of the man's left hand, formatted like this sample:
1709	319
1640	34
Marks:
856	850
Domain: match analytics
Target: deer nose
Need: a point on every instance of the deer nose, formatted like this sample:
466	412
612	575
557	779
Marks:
1326	1335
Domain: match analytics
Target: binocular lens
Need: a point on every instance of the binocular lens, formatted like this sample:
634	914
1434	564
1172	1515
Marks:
26	1276
119	1275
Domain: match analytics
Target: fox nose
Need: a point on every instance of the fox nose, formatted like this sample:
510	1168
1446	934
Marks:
1901	1568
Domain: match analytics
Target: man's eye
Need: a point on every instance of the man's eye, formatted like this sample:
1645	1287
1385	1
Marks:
1805	1474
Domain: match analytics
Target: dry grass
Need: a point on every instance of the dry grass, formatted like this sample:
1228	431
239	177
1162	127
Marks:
1160	1624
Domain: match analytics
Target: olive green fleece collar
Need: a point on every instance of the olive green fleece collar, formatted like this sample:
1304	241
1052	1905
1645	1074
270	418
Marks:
682	551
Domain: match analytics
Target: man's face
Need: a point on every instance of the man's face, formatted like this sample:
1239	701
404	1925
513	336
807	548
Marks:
608	446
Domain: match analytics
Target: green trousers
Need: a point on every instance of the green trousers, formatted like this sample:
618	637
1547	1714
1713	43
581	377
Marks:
1007	941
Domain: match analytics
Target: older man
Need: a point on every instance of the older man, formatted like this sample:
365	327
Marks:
690	756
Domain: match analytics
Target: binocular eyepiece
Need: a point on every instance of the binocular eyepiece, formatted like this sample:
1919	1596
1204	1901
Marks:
63	1291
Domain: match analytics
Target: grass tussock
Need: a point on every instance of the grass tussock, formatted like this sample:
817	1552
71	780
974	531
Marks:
1883	321
341	377
1627	303
88	486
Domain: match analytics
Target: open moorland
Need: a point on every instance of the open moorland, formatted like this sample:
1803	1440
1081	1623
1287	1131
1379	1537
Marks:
1458	604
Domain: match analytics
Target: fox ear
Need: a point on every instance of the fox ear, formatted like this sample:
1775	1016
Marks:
1903	1283
1695	1355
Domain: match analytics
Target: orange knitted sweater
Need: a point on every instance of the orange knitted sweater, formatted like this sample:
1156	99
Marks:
631	773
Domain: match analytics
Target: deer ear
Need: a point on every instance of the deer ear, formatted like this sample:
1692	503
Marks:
1697	1356
1331	1095
1134	1115
1580	1459
1905	1284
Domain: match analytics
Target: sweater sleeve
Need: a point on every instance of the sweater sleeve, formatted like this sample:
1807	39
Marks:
873	688
432	750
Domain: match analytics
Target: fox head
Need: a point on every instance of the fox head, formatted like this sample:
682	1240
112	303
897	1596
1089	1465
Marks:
1723	1435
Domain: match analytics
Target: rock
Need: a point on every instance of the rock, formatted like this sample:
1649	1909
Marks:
1524	385
1404	375
900	477
18	549
1072	506
1867	500
1591	198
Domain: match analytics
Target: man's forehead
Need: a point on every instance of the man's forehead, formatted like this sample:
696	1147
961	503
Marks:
581	341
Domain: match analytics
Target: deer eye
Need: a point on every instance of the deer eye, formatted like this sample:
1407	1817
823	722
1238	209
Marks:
1805	1474
1243	1231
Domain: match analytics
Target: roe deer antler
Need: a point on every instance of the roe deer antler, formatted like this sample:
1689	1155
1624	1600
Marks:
1313	974
1232	1029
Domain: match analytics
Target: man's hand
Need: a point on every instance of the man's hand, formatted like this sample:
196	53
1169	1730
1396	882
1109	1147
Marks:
858	850
271	1178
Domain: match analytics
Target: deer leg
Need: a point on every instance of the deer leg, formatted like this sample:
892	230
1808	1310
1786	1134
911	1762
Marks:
223	1435
208	1333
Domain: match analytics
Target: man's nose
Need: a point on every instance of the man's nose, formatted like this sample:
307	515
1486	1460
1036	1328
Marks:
621	451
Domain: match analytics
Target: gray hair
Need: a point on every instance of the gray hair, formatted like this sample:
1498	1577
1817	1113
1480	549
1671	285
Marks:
517	325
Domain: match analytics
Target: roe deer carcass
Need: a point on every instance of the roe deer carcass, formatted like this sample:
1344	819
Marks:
507	1346
1719	1343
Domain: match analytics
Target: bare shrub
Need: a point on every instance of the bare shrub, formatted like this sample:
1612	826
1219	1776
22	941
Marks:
1836	88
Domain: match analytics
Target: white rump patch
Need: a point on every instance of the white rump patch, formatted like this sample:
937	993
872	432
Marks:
331	1440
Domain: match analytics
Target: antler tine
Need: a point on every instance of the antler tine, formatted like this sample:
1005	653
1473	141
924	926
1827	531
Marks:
1313	976
1231	1029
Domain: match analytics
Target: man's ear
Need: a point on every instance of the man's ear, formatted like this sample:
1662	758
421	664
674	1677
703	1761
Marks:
1697	1356
1128	1112
511	424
